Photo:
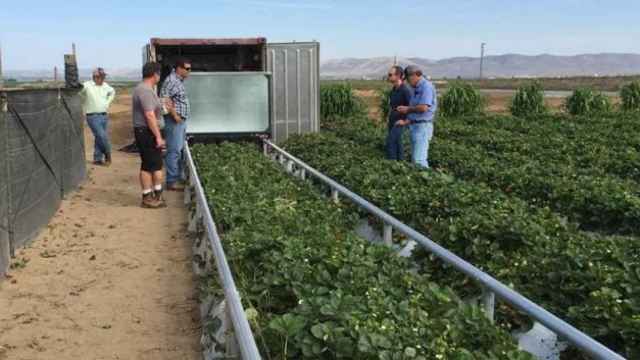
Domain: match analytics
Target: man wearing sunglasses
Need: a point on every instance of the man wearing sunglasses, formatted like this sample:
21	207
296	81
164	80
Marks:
176	121
400	96
420	114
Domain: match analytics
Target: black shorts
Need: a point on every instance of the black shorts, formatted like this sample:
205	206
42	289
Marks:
150	154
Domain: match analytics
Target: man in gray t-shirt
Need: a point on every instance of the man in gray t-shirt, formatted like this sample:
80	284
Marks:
147	109
144	100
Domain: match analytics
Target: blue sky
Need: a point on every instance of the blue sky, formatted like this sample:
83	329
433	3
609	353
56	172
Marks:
36	33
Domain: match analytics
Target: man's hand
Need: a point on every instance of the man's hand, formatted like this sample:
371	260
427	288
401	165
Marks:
401	123
168	103
160	143
171	108
402	109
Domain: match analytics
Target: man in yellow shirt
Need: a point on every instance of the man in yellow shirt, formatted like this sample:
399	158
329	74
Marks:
97	96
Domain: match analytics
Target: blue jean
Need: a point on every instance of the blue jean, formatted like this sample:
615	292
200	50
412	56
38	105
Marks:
99	125
421	135
394	143
175	134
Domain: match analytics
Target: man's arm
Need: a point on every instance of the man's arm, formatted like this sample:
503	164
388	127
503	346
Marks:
83	92
418	109
111	95
424	103
174	113
148	102
169	91
152	123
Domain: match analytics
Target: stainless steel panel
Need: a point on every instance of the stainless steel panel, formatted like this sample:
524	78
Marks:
295	88
228	103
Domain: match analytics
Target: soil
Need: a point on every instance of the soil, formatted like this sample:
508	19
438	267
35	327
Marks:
106	279
497	102
372	100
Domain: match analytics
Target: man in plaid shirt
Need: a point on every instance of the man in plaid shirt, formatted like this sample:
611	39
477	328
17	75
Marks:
176	121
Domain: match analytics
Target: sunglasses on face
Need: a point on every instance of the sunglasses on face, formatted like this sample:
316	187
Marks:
187	68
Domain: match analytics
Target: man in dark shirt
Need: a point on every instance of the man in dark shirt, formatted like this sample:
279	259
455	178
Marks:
400	96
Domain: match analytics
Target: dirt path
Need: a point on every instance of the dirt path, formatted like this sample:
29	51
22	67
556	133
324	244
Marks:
106	279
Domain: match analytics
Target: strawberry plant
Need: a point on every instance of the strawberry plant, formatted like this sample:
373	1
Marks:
597	202
543	256
318	291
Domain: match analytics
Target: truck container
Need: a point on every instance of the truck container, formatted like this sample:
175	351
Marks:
245	86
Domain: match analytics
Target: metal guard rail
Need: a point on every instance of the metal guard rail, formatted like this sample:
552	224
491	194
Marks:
492	286
242	330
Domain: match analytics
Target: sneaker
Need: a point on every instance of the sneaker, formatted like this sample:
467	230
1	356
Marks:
175	187
107	160
149	202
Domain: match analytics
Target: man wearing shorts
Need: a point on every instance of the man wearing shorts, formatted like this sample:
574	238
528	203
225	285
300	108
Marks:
147	110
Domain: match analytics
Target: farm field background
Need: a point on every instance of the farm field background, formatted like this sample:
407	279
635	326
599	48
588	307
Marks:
549	204
499	92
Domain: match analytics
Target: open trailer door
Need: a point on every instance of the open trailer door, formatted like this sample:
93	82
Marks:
295	88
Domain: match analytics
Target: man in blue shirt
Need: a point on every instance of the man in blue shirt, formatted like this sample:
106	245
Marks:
420	114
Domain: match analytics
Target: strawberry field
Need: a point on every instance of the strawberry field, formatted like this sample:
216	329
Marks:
318	291
550	205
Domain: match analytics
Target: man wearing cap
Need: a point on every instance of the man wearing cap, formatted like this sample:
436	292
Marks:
176	121
97	96
420	114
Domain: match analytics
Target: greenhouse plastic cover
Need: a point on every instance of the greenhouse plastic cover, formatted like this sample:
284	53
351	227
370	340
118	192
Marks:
41	159
228	103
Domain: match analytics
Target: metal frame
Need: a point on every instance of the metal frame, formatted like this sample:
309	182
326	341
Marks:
241	327
314	86
491	286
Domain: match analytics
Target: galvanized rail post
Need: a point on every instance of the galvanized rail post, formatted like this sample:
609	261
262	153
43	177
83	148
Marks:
387	234
489	304
494	288
335	196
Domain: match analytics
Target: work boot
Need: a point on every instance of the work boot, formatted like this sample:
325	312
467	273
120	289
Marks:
149	201
176	186
157	195
107	160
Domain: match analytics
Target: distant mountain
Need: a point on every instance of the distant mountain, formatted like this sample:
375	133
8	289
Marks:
509	65
122	74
